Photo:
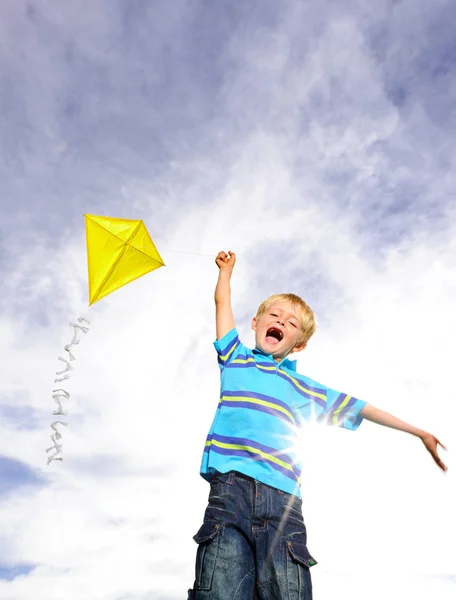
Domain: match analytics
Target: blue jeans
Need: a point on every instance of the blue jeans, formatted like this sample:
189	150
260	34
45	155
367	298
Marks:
252	544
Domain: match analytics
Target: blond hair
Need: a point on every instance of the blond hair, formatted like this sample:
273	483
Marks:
308	322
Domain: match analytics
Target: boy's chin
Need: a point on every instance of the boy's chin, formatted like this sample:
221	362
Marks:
271	348
276	350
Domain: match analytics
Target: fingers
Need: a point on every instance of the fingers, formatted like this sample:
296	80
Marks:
437	458
223	259
440	444
440	463
224	256
431	443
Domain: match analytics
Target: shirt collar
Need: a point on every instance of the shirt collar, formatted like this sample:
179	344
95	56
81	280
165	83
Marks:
286	362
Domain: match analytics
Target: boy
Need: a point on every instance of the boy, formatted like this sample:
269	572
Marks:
253	541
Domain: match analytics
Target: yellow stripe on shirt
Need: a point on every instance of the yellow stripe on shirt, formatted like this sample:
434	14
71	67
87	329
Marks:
261	402
337	412
225	357
272	369
301	387
252	450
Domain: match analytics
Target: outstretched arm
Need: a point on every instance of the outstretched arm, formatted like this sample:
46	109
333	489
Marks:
224	318
383	418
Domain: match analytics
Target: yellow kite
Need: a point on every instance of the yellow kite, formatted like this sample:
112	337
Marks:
118	252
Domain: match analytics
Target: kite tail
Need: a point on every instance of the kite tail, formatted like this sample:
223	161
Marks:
59	395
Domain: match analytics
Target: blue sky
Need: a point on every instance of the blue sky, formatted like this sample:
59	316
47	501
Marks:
317	140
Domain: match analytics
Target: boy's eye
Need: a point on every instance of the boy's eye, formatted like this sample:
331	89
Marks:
294	324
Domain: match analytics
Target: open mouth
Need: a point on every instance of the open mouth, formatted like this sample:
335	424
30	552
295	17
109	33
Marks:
274	335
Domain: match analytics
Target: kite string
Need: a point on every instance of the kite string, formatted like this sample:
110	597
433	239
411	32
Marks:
185	252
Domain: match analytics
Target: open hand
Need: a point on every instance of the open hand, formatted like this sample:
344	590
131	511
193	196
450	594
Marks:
226	261
431	443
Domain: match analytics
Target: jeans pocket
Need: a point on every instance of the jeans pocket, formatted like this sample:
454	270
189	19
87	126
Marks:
299	553
299	561
208	539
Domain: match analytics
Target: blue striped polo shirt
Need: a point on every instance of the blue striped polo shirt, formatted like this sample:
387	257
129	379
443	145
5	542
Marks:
262	405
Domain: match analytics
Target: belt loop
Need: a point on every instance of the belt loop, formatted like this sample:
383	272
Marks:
231	477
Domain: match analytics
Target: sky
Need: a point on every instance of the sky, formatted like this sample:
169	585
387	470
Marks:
316	140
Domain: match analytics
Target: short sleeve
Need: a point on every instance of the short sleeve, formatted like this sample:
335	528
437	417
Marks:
227	347
342	410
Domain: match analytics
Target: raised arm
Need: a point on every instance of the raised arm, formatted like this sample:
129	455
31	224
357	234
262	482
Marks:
371	413
224	318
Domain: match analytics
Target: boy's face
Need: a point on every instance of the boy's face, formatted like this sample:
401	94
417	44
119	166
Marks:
278	330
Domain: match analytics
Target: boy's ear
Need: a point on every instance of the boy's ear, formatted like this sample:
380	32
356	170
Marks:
299	347
254	323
